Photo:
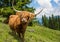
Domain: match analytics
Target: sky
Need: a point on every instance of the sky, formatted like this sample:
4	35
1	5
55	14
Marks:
49	7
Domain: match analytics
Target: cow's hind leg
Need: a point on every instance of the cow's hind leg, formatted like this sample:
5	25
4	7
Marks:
13	31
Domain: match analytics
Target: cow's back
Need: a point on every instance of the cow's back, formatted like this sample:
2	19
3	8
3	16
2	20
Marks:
14	20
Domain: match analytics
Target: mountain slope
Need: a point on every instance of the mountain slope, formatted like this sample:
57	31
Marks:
33	34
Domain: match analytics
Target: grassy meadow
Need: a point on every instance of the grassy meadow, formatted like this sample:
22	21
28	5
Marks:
32	34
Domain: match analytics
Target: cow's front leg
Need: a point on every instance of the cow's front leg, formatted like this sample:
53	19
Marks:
22	37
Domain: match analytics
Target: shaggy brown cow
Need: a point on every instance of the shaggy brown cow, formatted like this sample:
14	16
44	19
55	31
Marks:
18	23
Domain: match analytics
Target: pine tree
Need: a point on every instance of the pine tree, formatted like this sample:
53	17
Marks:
49	22
18	4
53	21
45	20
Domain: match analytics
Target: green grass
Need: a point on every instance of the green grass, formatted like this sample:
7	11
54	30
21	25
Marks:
33	34
2	19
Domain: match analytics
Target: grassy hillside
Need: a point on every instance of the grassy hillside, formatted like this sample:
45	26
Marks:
33	34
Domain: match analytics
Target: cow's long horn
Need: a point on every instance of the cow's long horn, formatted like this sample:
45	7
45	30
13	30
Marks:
39	12
14	8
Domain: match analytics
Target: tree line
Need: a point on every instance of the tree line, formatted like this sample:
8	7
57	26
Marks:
52	22
6	6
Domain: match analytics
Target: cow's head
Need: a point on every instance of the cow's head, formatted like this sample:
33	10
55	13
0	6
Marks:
27	16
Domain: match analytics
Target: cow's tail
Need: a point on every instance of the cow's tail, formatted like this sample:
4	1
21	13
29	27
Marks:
6	21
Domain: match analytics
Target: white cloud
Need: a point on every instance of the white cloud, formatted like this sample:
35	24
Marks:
57	2
48	8
44	12
44	3
57	9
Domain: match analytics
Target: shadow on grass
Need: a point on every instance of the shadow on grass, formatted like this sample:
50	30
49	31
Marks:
0	20
15	36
